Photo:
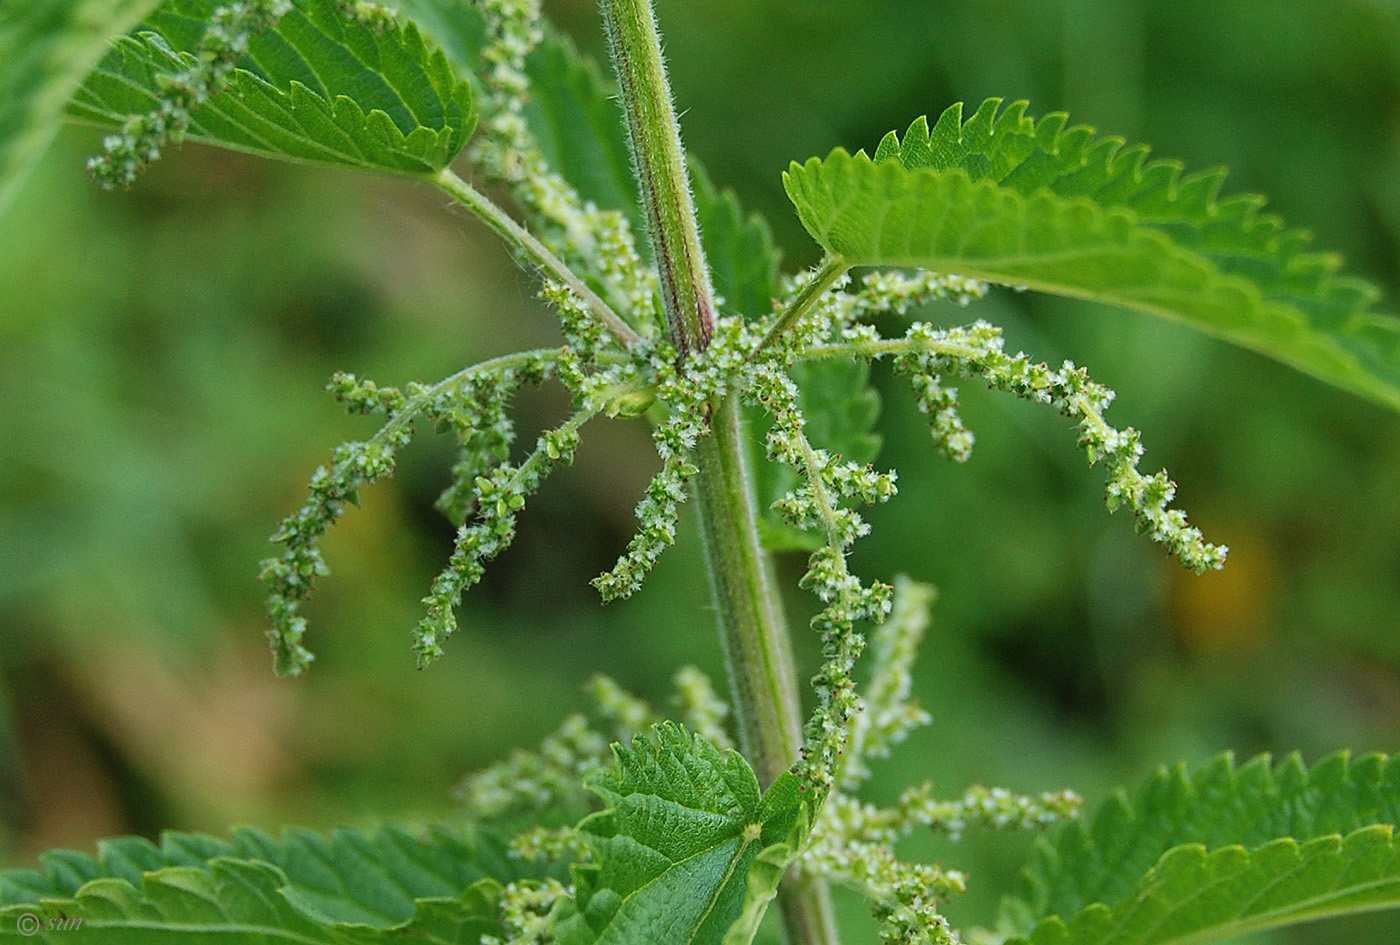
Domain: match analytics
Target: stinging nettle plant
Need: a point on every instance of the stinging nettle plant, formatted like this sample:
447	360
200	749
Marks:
623	827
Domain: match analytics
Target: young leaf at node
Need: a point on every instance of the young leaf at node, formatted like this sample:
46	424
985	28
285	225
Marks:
687	851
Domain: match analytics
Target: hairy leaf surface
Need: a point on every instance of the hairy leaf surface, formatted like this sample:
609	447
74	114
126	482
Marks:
1228	848
351	887
1010	200
319	89
688	851
47	47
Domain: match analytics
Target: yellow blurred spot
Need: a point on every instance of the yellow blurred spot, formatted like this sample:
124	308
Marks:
1227	611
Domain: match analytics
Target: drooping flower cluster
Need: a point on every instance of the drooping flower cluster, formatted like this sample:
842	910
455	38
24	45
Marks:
982	808
978	351
471	402
505	148
904	896
498	493
843	847
688	391
887	714
827	481
892	292
852	842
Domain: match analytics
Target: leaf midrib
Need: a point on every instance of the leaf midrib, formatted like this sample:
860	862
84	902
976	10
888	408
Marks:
719	888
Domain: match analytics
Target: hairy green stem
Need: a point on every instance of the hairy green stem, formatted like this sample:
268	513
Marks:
659	161
757	644
752	622
753	627
808	917
524	242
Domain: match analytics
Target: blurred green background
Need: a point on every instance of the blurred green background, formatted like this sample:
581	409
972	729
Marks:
162	353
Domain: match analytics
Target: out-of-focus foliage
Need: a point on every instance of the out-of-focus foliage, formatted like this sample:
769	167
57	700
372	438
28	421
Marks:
49	48
162	353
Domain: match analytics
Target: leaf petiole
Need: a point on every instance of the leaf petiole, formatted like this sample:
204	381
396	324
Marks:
524	242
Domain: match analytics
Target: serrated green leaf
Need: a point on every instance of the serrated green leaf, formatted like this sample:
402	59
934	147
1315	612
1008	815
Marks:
1092	867
48	46
458	28
1194	896
232	902
688	850
319	89
439	884
1009	200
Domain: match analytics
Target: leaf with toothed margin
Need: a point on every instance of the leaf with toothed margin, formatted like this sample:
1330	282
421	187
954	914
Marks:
318	89
1006	199
437	886
688	851
1194	895
1196	858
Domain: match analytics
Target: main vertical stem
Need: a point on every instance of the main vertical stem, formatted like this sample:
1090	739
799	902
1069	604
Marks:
750	611
757	644
659	161
753	628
